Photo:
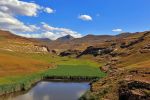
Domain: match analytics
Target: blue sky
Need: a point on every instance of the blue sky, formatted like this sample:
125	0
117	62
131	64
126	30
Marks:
108	16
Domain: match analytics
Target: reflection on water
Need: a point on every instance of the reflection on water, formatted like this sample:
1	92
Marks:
46	90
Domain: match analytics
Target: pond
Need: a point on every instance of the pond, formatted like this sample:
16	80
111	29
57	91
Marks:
51	90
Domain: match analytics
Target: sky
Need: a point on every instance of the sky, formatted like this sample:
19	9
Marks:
56	18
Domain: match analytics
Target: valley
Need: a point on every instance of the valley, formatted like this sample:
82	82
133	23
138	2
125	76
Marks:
117	62
74	50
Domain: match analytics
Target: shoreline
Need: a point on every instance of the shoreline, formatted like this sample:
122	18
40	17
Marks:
28	84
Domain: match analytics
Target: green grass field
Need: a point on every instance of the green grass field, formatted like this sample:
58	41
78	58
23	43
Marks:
20	70
76	70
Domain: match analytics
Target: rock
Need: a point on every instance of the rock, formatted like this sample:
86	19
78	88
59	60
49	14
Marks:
133	42
42	48
65	53
145	49
135	86
105	68
109	68
124	54
134	90
54	51
114	54
69	52
96	51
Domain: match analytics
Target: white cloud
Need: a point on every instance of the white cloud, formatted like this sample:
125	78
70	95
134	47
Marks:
34	27
47	34
8	22
117	30
58	32
52	32
47	27
9	9
50	35
85	17
48	10
29	35
16	7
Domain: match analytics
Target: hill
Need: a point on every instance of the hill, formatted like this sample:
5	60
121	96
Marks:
127	64
86	41
79	43
20	44
65	38
124	57
24	62
15	54
126	34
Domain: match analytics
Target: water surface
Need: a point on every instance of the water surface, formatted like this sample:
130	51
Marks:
50	90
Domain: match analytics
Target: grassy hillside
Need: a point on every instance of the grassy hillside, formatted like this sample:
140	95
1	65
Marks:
15	63
128	71
21	70
23	62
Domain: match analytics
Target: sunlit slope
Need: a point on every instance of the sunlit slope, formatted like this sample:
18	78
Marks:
22	61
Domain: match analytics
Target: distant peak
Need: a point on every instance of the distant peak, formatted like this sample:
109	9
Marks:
67	37
125	34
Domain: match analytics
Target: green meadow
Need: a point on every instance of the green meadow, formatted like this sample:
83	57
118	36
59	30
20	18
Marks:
55	66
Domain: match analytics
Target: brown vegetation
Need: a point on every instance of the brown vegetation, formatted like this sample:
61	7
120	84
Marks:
128	71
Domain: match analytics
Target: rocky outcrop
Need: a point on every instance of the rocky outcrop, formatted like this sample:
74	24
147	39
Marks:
69	52
134	90
145	49
110	67
124	85
133	42
54	51
26	48
135	86
41	48
95	51
128	76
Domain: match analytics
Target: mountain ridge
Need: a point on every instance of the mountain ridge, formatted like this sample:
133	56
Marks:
65	38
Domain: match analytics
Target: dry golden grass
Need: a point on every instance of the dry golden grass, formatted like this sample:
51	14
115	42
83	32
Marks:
15	65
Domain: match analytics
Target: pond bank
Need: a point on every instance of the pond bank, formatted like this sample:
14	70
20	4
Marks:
51	90
65	72
28	82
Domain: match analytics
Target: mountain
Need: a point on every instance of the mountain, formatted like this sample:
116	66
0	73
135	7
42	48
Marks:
65	38
44	40
124	57
125	34
90	36
82	43
79	43
8	35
